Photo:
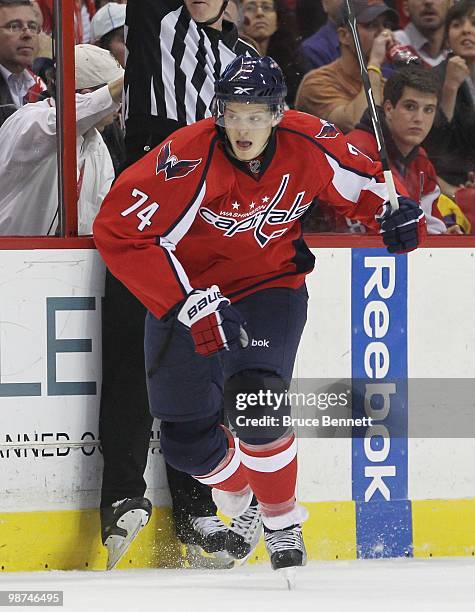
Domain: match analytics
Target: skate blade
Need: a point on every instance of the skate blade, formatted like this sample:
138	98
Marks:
289	574
197	558
132	521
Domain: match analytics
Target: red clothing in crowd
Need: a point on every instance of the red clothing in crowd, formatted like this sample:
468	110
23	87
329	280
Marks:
46	7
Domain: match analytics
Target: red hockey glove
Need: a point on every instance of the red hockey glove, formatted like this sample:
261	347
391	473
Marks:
214	324
402	230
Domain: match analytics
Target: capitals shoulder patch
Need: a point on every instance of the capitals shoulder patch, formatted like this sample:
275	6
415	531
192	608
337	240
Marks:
172	166
328	130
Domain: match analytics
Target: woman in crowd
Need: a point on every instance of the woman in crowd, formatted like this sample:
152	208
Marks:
451	142
272	28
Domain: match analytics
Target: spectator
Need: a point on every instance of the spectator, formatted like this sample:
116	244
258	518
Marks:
410	102
28	170
451	142
272	26
107	29
309	16
425	32
83	13
19	29
335	92
323	47
160	97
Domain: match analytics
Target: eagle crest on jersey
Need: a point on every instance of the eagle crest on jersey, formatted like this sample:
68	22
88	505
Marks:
172	166
328	130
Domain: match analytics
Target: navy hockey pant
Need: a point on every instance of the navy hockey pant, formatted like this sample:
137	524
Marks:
186	390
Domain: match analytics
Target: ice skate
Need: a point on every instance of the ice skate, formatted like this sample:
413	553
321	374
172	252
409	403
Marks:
244	533
204	538
120	524
286	550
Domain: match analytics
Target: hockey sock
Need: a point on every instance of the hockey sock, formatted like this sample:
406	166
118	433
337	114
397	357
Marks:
271	471
229	474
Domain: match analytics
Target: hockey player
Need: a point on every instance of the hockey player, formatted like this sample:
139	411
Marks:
176	51
206	231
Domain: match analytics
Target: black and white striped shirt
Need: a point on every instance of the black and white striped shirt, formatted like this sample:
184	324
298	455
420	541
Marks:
173	63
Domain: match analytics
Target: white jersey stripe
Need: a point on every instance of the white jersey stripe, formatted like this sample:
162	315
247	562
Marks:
170	240
349	184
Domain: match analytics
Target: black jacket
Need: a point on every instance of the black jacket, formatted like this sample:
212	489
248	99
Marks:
451	144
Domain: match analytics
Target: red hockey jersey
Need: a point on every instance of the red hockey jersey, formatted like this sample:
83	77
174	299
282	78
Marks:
186	216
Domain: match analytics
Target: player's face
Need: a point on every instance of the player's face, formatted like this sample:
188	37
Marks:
411	119
248	128
462	36
203	10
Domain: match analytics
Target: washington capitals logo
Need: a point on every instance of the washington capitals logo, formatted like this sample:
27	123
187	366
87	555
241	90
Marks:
266	224
328	130
172	166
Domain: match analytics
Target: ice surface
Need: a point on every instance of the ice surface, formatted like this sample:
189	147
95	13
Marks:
405	585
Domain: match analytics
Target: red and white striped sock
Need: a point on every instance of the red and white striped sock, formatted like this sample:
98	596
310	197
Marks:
229	474
271	471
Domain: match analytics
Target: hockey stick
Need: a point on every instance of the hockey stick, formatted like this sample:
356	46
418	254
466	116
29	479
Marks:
378	132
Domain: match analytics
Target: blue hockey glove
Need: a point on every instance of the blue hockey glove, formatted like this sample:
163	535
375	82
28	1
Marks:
402	230
214	324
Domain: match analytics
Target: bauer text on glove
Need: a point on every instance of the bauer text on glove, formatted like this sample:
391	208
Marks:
214	324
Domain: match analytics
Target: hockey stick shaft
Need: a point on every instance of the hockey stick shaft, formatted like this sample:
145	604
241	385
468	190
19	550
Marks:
378	132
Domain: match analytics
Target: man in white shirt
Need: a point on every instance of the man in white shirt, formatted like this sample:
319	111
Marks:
425	32
19	29
28	171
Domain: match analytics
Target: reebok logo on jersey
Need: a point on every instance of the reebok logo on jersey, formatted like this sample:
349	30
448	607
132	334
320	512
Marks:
172	166
263	222
328	130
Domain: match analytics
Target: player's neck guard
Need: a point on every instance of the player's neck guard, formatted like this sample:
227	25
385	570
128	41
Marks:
265	156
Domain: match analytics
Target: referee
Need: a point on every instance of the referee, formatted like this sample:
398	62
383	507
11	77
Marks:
176	49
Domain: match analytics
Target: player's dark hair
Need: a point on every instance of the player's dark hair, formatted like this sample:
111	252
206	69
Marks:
415	77
459	10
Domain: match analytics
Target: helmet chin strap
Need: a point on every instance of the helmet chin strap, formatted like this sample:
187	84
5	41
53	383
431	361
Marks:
214	19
